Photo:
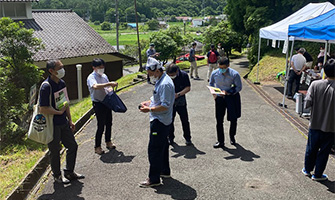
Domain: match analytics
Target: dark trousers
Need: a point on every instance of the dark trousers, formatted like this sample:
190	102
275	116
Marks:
220	111
293	77
104	122
62	133
158	150
182	111
318	148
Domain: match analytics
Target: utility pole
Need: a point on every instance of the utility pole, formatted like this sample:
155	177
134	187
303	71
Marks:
117	25
138	40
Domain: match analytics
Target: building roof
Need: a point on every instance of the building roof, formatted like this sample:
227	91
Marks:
65	35
19	0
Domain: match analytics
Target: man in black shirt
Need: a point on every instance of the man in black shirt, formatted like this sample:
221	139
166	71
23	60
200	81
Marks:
182	86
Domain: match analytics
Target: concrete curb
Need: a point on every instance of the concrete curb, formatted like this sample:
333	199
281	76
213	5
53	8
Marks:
40	168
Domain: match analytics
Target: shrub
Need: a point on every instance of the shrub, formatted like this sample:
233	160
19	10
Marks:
97	23
106	26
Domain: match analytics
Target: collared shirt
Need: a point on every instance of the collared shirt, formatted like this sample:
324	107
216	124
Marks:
191	58
321	99
151	52
298	61
97	95
45	98
225	81
163	95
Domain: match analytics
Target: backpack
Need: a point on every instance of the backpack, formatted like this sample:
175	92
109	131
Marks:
212	57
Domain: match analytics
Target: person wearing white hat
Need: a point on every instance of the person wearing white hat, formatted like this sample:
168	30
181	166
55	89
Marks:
160	107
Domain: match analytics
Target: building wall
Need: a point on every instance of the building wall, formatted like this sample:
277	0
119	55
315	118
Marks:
114	71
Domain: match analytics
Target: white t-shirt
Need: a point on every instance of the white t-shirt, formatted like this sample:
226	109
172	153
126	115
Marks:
298	61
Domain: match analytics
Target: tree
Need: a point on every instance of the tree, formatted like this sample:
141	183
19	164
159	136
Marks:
106	26
153	24
222	33
18	74
165	45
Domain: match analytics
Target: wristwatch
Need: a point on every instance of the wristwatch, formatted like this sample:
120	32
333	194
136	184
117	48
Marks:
178	94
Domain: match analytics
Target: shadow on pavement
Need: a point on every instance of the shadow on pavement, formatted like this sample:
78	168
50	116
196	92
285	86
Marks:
243	64
240	152
176	189
115	156
330	185
61	191
189	152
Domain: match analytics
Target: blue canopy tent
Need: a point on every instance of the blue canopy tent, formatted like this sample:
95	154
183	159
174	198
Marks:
318	29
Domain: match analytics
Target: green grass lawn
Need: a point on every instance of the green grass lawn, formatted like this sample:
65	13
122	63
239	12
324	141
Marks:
17	160
269	66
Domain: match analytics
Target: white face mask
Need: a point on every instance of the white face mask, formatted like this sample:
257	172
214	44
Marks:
101	71
60	73
219	47
173	77
153	79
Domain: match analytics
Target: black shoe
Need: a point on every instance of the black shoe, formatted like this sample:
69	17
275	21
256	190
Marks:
73	176
218	145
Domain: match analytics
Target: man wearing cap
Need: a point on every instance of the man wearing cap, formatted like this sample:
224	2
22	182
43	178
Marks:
151	52
160	107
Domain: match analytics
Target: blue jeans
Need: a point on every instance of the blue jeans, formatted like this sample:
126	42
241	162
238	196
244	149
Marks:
317	151
158	150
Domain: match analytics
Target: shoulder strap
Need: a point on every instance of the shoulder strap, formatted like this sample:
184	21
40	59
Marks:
38	99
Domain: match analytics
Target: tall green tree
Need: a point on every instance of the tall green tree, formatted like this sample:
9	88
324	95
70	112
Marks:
18	74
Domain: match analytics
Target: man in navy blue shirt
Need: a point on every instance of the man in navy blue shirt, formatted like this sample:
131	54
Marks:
182	86
63	125
229	82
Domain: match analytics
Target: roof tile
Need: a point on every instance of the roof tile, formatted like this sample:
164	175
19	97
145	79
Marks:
66	35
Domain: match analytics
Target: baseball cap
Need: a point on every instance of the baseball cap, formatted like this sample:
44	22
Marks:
153	64
152	44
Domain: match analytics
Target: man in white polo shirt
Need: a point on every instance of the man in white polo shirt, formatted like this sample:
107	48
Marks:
298	65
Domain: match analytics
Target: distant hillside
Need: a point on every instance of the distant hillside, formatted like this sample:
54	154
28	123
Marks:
104	10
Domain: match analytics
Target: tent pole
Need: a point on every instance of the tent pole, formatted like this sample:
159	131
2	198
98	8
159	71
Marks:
259	54
287	74
324	60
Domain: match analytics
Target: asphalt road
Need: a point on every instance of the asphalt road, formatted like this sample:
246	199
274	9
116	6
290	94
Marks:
265	164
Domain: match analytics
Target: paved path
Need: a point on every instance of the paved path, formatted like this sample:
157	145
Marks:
265	164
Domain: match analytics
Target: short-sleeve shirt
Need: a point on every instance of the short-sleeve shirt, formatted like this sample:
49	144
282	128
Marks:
151	52
321	98
97	95
192	53
181	82
216	53
163	95
45	98
224	81
299	61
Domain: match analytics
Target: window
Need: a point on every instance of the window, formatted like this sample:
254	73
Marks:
14	10
9	10
1	10
20	10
